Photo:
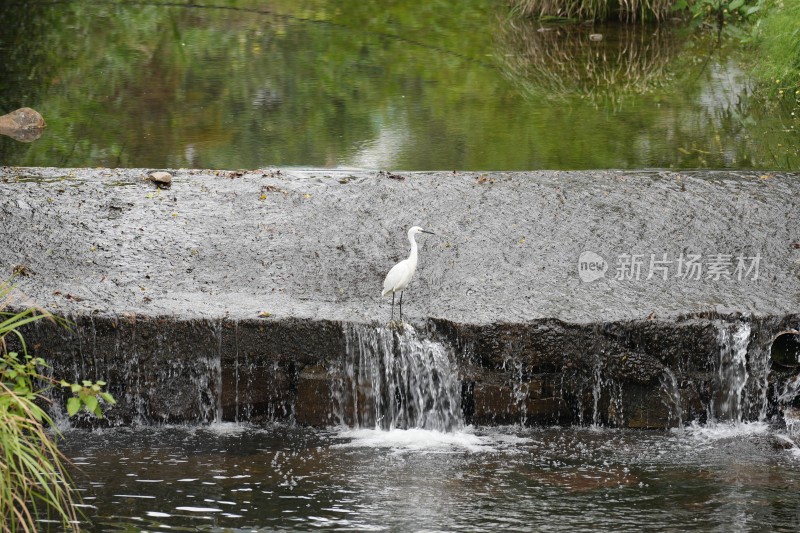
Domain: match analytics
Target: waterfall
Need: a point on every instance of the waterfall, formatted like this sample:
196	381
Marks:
394	379
732	369
158	375
742	377
672	393
597	391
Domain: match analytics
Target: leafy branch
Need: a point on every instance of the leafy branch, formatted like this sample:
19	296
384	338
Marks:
86	396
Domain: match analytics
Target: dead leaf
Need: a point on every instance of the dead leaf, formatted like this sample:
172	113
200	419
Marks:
391	176
22	270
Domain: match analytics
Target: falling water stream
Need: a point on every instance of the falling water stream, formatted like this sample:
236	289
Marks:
393	379
400	457
732	372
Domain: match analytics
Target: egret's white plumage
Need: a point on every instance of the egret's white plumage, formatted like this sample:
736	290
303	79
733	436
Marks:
400	275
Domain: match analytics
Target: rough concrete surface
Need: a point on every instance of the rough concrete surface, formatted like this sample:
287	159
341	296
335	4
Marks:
297	252
316	244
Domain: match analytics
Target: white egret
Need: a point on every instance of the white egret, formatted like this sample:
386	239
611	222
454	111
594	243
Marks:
400	275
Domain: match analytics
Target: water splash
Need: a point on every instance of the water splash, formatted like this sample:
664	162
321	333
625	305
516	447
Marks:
416	440
394	379
712	432
789	392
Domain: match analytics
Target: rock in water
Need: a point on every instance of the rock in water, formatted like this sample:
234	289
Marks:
24	124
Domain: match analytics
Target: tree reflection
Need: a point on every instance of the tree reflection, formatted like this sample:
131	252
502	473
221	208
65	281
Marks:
603	64
408	85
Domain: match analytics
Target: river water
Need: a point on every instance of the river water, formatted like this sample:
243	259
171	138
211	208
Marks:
238	477
402	458
414	85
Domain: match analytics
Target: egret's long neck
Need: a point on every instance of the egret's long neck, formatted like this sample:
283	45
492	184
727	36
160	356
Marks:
412	257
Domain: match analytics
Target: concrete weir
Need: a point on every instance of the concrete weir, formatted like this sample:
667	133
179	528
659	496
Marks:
637	299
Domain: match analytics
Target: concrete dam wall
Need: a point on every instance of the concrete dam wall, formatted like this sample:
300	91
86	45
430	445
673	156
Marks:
633	299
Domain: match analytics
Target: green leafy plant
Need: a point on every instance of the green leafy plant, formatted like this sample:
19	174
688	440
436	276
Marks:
720	10
86	396
776	36
33	477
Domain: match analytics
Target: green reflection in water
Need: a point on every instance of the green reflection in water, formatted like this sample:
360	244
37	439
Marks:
404	85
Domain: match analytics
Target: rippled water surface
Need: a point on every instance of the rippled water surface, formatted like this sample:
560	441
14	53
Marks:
239	477
413	85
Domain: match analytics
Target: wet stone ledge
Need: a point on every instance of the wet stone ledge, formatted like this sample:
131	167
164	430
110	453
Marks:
165	370
226	296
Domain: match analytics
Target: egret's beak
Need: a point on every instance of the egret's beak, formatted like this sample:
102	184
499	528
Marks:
426	231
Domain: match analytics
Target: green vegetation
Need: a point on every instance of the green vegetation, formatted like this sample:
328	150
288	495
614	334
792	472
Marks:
34	481
641	10
720	11
595	9
777	39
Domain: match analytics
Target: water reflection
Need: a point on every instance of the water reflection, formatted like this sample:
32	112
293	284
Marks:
602	64
409	85
718	477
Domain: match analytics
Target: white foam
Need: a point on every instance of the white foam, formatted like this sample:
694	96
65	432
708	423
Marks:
719	430
227	428
417	439
200	509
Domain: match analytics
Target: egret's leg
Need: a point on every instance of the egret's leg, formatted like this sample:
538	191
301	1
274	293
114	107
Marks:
392	307
401	306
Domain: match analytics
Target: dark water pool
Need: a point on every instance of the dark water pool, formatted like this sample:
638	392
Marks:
410	85
230	477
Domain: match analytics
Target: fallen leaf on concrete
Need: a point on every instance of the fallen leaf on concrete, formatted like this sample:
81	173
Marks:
68	296
22	270
391	176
